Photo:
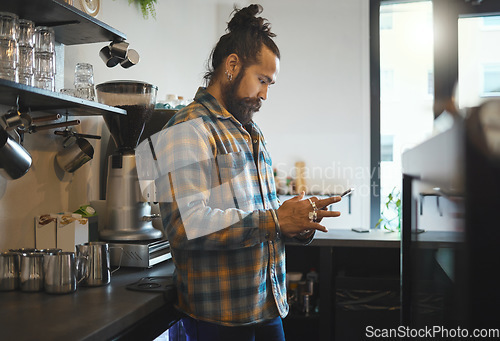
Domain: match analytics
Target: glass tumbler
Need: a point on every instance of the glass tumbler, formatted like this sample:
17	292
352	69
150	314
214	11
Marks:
8	25
84	81
8	59
26	33
45	70
26	64
44	39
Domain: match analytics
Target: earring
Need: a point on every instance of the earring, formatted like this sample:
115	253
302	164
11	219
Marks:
229	75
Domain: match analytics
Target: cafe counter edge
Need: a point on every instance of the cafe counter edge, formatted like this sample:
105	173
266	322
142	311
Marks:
109	312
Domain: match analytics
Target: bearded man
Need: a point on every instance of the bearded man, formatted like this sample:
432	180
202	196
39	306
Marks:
226	227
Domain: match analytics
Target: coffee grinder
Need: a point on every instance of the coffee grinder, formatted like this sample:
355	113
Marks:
128	223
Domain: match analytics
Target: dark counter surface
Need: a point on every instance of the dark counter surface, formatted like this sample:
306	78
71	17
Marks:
90	313
383	238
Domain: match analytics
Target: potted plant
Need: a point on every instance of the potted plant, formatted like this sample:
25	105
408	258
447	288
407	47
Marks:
391	215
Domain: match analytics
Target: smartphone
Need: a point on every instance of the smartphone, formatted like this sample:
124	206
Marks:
349	191
360	230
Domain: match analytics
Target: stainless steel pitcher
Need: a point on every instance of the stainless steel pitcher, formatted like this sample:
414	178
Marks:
15	161
61	271
9	271
76	155
31	275
98	271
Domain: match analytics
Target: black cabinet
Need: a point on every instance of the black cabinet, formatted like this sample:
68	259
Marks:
359	285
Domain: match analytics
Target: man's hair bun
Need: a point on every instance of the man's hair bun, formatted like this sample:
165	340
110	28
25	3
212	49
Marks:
246	35
245	19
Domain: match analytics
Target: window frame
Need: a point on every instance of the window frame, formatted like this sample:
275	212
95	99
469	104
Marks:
445	17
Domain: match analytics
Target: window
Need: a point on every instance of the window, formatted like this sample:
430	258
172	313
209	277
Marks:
430	82
492	22
386	20
406	86
478	60
491	80
386	148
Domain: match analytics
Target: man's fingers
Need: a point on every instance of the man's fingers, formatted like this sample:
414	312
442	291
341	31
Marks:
316	226
324	214
327	201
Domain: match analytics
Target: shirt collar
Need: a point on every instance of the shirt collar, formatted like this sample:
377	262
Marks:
208	101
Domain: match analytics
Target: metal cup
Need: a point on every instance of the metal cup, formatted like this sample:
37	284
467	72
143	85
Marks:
76	155
31	275
9	271
15	161
98	271
61	270
131	59
108	58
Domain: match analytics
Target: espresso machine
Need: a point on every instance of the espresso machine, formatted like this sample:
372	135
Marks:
128	223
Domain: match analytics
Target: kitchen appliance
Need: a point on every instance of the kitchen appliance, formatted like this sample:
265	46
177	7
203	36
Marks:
128	218
128	213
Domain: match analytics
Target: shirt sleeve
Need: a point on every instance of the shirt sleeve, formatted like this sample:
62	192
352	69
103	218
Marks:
200	203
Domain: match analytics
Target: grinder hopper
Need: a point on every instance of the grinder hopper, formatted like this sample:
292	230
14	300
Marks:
128	214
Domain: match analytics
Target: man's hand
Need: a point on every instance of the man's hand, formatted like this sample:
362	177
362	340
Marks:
293	214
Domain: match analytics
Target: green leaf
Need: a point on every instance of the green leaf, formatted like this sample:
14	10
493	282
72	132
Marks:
147	7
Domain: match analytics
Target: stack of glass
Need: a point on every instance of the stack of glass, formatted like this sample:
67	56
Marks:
45	59
8	46
25	42
84	81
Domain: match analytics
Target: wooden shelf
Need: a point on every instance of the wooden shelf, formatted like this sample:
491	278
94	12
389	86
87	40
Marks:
71	25
35	99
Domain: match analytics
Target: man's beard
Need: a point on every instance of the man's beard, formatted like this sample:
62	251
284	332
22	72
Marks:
242	109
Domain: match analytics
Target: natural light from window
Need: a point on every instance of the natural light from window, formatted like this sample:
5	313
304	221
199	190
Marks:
406	88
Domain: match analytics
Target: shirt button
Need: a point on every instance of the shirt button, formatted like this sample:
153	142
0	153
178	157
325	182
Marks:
254	141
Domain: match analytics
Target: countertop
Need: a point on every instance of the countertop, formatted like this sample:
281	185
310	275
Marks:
90	313
384	238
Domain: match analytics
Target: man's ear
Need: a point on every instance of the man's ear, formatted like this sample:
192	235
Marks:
233	64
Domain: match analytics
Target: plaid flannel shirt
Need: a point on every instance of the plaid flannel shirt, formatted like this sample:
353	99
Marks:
220	216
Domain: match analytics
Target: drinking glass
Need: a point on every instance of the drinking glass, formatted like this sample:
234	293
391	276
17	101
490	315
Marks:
8	25
47	83
8	59
44	39
26	64
45	70
26	33
84	81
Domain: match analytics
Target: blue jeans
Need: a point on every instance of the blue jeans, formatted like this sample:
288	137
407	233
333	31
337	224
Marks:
196	330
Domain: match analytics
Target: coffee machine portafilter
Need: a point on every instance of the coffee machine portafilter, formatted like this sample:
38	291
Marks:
128	213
